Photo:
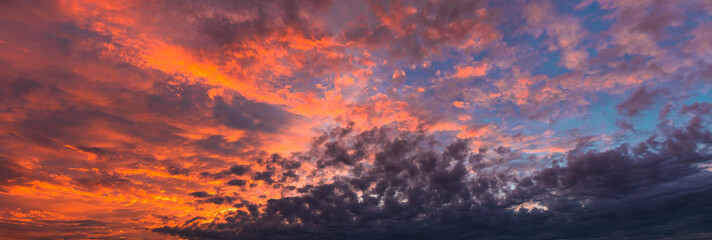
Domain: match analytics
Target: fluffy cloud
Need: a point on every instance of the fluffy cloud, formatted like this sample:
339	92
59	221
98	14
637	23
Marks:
338	119
413	188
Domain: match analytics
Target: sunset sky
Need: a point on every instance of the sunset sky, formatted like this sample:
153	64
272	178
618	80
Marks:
319	119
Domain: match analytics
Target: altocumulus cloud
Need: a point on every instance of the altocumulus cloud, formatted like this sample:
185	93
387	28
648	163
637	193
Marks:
407	185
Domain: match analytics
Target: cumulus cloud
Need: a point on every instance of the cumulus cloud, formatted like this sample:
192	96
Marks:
411	187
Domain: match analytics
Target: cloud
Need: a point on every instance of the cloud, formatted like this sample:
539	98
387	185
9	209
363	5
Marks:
638	101
217	117
265	176
459	104
398	75
236	182
411	188
199	194
471	71
12	172
243	114
698	108
239	169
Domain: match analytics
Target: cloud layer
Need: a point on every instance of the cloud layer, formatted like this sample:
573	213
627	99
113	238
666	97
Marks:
416	188
353	119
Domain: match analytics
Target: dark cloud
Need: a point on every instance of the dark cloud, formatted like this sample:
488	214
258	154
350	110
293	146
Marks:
11	173
625	125
241	113
285	163
698	108
239	169
289	175
199	194
664	111
174	170
237	182
219	200
220	145
417	190
94	180
265	176
638	101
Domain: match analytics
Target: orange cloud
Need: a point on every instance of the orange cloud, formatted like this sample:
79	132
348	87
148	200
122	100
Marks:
459	104
471	71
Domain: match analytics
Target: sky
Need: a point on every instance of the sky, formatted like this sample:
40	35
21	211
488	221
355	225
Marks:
319	119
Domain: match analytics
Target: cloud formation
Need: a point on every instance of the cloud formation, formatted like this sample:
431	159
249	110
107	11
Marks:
416	188
347	119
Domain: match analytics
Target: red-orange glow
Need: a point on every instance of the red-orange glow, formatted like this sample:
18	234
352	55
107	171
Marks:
118	117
